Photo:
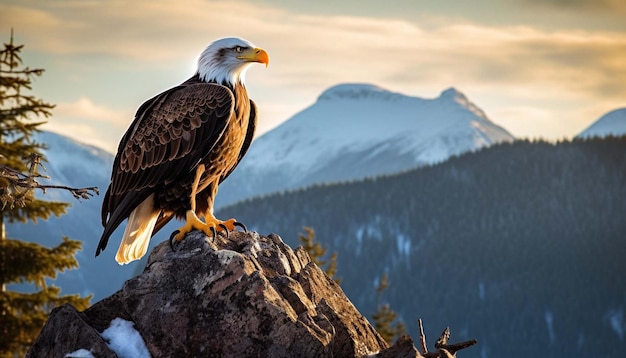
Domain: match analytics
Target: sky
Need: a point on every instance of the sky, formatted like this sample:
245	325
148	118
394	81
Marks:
540	68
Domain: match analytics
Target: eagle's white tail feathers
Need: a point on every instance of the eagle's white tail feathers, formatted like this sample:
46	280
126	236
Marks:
138	232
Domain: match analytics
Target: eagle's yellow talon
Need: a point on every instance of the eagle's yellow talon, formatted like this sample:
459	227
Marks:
211	228
229	225
192	222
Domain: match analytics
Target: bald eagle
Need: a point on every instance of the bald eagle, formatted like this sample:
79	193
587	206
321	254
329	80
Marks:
182	144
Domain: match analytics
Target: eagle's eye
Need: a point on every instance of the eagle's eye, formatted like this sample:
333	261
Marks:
238	49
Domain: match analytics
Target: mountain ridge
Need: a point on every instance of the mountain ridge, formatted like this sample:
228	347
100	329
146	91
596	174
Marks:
360	130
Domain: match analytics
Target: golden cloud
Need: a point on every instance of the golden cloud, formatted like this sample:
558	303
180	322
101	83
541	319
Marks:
89	122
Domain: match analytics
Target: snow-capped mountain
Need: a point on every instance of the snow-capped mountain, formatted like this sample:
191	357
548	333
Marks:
612	123
78	165
360	130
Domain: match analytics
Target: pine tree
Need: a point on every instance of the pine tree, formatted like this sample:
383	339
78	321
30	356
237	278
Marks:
22	315
385	317
316	251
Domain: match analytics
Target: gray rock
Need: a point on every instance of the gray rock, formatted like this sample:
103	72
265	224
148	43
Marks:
248	296
66	331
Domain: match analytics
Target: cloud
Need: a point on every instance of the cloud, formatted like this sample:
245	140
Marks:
132	47
582	5
314	49
574	62
85	108
148	31
89	122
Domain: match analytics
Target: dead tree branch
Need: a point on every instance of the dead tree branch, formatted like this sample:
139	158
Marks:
15	185
444	350
422	337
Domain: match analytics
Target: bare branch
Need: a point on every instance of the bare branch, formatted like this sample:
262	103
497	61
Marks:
17	185
422	337
444	350
443	338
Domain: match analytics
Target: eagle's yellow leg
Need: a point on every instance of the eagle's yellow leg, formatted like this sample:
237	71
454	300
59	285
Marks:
192	222
210	226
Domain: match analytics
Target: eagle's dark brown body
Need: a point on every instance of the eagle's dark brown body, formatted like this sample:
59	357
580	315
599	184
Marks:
192	124
220	162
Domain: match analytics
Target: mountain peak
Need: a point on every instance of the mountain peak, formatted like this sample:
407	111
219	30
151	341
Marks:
453	94
356	131
354	91
612	123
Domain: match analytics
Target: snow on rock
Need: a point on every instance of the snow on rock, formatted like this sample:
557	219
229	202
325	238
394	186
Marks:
124	340
610	124
355	131
81	353
67	331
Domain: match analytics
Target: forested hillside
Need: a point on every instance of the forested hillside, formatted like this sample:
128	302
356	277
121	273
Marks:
521	246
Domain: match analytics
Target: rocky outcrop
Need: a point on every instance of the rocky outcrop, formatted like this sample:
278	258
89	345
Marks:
242	296
248	296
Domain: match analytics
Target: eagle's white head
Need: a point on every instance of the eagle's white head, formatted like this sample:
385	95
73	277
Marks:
227	60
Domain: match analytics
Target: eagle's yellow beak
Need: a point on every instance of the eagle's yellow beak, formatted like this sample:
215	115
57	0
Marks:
255	55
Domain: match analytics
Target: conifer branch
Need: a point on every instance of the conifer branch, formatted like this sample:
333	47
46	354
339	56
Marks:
25	71
15	185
